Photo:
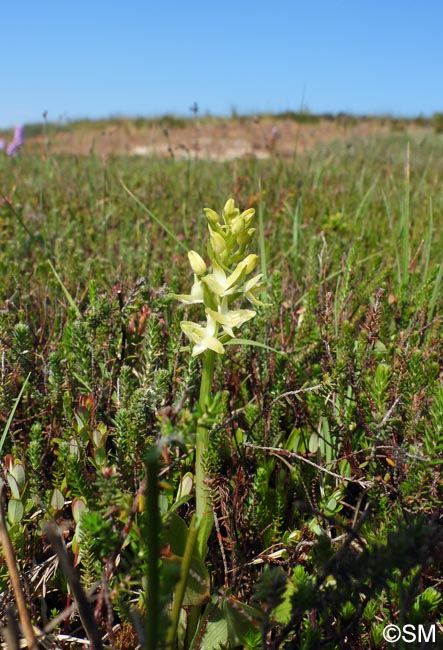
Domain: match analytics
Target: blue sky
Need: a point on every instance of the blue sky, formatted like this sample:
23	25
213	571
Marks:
95	58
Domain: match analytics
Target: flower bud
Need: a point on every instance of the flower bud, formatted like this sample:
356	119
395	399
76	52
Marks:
237	225
229	207
218	244
198	264
230	211
245	237
248	216
250	262
212	216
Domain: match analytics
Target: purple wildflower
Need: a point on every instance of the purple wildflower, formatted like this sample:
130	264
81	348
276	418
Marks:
17	141
19	135
2	144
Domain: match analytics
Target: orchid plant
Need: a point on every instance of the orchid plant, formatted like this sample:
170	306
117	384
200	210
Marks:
219	288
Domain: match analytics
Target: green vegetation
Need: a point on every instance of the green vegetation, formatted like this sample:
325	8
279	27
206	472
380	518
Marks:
437	122
324	450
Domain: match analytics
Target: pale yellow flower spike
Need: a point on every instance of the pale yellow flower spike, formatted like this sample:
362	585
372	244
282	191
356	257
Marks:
225	282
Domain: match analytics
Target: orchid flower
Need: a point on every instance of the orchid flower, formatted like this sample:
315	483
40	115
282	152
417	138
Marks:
223	285
230	318
203	338
225	282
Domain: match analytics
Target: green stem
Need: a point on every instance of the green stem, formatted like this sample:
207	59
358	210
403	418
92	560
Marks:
181	585
203	501
207	377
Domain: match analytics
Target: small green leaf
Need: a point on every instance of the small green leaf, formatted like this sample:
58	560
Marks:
345	468
185	487
282	613
14	486
314	443
315	526
15	511
331	505
100	456
99	435
18	472
57	500
227	623
75	542
78	507
73	449
175	533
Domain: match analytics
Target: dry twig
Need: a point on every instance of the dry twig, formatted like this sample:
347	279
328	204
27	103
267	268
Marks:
9	555
83	606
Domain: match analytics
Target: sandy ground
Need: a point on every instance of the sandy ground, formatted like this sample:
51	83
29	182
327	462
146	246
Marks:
217	140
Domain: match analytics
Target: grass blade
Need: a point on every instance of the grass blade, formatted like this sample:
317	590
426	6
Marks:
158	221
69	298
12	413
435	292
261	234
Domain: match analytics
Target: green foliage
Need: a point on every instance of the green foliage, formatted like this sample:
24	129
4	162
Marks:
270	588
300	117
437	122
